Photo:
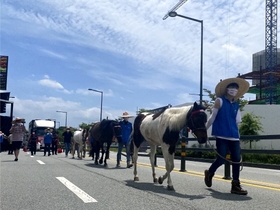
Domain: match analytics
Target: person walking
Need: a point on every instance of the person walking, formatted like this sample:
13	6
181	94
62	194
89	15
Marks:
47	141
10	146
18	131
54	142
67	135
126	131
225	118
33	143
1	141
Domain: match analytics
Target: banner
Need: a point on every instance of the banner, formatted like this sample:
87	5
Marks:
3	72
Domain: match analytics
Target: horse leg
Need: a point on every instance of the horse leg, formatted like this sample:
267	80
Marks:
73	149
107	155
152	160
135	157
96	150
102	155
169	165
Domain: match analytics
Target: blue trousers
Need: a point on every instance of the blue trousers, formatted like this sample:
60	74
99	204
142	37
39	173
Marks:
223	147
66	147
127	149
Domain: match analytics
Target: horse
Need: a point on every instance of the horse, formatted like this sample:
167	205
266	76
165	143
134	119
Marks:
162	129
103	133
78	142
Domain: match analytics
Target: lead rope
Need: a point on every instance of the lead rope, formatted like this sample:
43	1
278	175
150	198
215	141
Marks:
240	162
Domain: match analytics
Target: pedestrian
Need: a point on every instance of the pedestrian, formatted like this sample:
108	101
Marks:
126	131
1	141
18	131
54	142
33	143
47	141
67	135
225	118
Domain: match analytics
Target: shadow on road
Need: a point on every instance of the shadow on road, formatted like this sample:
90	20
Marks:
228	196
155	188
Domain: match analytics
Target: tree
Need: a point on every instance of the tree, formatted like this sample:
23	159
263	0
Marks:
250	125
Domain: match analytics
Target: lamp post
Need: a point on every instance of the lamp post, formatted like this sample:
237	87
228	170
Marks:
101	92
65	117
58	124
174	14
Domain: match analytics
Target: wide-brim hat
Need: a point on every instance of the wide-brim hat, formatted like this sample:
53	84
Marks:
126	115
221	88
18	119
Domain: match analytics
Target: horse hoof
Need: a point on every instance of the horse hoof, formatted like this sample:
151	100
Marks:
136	179
106	165
96	163
160	180
171	188
155	180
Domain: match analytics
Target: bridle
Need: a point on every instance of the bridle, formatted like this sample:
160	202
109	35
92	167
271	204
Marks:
191	124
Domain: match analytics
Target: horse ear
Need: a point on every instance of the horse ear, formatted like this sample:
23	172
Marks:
195	105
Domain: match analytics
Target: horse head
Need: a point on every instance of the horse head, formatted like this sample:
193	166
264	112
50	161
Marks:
117	131
197	122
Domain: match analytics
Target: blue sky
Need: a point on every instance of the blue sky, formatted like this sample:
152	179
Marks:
59	49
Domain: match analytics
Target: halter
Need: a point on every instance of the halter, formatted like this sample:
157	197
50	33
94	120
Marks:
193	127
115	126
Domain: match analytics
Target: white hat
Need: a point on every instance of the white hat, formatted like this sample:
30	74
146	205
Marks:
125	114
243	87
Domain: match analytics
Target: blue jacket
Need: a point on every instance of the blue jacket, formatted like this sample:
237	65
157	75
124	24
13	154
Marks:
48	138
225	123
126	130
1	138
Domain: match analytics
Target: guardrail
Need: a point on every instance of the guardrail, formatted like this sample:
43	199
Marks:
183	150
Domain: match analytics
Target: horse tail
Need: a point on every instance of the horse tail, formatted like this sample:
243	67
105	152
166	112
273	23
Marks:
136	133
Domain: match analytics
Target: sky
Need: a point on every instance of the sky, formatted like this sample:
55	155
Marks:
59	49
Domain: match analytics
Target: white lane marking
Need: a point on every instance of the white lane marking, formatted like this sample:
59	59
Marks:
41	162
80	193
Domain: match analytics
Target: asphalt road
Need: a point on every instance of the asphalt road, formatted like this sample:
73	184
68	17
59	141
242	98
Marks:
57	182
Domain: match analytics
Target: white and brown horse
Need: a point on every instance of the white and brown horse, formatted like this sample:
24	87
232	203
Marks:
162	129
79	143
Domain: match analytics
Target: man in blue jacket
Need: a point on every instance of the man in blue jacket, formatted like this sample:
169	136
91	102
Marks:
126	131
47	142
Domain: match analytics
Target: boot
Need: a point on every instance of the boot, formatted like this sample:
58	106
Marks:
129	165
118	164
208	178
237	189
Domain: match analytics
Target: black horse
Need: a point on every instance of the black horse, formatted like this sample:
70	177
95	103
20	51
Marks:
103	134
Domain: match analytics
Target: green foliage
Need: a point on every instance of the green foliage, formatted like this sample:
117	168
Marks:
85	126
250	125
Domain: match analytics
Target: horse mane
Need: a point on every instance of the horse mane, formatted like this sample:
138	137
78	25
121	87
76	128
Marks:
176	117
158	113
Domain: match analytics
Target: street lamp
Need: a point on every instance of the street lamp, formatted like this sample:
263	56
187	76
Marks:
174	14
65	117
101	92
58	124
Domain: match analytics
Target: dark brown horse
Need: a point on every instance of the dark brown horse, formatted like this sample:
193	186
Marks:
103	134
162	129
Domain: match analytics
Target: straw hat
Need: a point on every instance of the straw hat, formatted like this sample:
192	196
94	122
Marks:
19	120
48	129
221	87
125	114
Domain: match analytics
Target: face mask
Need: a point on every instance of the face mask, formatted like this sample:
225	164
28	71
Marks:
67	130
232	91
